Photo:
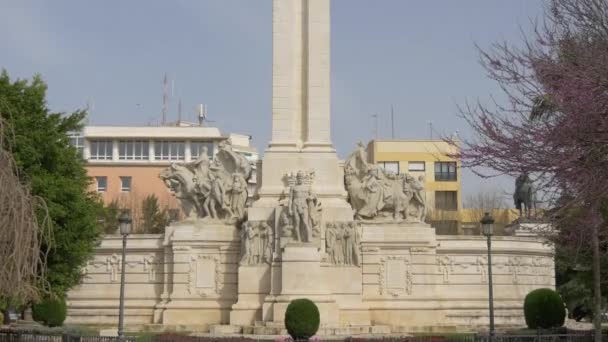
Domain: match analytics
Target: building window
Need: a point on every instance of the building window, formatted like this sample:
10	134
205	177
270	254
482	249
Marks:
446	200
76	141
102	183
101	149
445	171
391	166
133	150
169	150
125	184
196	147
416	166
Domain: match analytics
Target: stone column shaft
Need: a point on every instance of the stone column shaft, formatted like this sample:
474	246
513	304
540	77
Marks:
300	76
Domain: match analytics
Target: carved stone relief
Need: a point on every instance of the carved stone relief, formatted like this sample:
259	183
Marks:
378	194
204	275
150	266
214	190
482	268
113	265
257	243
395	277
513	264
343	243
445	265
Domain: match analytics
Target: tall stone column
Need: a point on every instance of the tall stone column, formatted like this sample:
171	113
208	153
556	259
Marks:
301	138
300	74
301	144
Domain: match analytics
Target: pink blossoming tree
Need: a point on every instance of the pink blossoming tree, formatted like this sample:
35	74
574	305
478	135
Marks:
553	121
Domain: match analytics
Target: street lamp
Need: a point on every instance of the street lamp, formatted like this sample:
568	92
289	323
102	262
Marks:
487	227
124	223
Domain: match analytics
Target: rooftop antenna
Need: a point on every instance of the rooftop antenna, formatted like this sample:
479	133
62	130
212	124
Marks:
165	100
392	123
89	108
430	130
375	116
179	112
202	114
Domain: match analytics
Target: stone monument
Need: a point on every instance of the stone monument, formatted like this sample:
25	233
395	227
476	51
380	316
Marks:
349	236
301	185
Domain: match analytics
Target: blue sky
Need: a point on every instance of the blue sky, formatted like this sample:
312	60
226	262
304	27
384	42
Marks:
417	55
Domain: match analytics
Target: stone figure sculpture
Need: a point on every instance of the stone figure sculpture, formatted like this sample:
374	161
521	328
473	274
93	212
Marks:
257	243
303	210
213	190
419	196
342	243
238	195
378	194
524	195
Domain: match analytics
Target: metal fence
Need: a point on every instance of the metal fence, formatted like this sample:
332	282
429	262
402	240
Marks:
30	336
542	338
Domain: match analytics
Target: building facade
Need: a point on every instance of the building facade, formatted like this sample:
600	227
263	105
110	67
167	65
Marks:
125	162
431	160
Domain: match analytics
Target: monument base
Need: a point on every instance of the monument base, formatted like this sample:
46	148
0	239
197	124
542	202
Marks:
301	276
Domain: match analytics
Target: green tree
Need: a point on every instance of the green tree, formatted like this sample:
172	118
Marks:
108	217
56	173
154	220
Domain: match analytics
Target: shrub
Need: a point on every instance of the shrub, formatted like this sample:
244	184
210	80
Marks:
302	319
50	311
544	308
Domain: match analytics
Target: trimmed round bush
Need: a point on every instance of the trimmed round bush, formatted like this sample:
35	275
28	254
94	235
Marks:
302	319
544	308
50	311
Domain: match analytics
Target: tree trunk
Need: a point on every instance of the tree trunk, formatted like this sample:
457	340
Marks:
597	294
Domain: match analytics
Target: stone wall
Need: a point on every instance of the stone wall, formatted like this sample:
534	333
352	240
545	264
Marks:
409	279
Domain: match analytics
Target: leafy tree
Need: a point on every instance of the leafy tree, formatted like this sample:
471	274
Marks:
56	173
108	217
153	219
21	235
554	121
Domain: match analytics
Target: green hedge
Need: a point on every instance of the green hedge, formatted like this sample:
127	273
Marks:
544	308
50	312
302	319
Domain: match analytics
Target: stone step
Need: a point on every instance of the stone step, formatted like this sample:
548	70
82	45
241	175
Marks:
224	329
275	328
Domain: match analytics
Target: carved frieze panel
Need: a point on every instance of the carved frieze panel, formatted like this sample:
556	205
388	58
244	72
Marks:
113	266
482	268
204	275
514	264
257	243
343	243
445	265
395	276
150	267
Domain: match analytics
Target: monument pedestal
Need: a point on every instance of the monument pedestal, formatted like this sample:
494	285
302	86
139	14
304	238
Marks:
529	228
203	255
253	287
302	277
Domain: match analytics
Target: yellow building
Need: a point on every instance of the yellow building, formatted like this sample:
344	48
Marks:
428	158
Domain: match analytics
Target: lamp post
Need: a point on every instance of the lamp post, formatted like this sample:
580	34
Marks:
124	222
487	226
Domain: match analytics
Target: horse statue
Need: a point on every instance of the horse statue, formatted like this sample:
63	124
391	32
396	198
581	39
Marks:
179	179
524	194
377	194
211	189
